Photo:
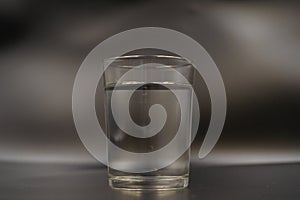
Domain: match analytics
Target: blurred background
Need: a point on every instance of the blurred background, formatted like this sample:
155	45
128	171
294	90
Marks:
255	44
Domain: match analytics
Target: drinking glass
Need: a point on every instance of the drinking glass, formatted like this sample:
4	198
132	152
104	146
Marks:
148	113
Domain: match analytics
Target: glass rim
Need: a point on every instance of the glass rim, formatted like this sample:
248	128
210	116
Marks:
181	62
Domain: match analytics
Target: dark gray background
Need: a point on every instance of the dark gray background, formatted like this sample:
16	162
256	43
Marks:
256	45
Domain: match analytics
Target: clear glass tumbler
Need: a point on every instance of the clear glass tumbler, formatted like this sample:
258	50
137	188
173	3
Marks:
148	111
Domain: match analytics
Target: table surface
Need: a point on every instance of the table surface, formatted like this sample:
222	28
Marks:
89	181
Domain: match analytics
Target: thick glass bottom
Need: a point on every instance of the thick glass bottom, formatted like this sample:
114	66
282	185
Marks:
148	182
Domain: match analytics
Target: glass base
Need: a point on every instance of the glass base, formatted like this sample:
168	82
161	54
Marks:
148	182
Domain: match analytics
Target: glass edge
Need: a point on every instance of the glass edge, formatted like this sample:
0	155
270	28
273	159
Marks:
184	61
